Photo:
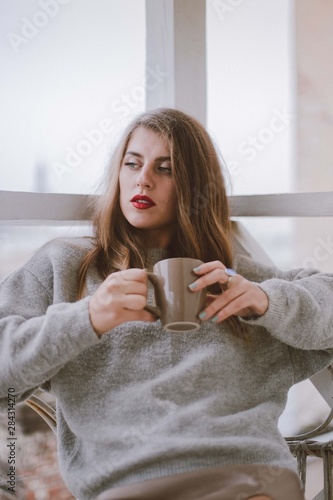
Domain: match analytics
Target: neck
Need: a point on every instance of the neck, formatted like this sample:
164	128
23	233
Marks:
155	255
158	239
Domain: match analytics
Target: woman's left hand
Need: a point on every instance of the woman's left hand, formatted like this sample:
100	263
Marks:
240	297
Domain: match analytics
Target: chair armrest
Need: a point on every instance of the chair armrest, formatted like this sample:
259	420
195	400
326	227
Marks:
45	410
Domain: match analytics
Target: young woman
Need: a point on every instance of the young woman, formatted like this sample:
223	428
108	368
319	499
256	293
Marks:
144	413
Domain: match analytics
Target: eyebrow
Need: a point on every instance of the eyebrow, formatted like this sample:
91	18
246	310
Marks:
160	158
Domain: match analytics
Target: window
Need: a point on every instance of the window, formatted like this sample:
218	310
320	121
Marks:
72	78
250	105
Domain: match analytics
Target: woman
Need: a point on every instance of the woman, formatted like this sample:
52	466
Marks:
144	413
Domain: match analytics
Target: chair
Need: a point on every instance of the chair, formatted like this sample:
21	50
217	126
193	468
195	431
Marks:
44	410
303	445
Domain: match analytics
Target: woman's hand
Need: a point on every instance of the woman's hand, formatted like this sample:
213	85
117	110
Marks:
240	297
121	297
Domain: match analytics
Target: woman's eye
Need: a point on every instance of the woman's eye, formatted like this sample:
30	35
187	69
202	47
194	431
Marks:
131	164
164	170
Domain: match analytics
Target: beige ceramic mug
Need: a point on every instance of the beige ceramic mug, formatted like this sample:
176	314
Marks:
177	306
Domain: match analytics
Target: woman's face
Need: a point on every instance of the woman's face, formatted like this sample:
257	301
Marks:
147	188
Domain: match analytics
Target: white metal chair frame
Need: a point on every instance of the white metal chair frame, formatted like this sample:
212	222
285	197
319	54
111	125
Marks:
63	209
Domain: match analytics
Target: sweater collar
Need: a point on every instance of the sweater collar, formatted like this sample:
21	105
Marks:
155	255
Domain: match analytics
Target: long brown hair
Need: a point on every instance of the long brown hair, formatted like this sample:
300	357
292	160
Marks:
203	227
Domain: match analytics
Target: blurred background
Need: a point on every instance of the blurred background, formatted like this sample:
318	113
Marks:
74	72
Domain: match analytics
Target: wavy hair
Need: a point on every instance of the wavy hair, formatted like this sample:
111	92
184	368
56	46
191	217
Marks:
203	227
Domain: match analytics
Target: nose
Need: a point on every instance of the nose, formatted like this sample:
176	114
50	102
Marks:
145	179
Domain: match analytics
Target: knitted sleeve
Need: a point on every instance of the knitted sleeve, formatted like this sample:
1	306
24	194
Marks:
37	335
300	311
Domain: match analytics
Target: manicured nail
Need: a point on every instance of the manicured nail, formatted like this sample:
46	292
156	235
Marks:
202	315
197	269
192	285
215	319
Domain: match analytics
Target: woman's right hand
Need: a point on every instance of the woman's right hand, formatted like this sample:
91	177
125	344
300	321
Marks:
121	297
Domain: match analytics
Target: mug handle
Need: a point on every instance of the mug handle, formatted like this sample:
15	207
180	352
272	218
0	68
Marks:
152	309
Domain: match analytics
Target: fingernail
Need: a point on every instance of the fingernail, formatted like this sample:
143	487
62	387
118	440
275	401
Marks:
196	269
192	285
215	319
202	315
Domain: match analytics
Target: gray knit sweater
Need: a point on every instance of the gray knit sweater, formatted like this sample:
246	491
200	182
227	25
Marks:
142	403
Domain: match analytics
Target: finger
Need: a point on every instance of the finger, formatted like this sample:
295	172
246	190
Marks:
142	315
221	302
206	267
210	298
129	287
217	275
134	274
117	284
249	300
134	302
233	308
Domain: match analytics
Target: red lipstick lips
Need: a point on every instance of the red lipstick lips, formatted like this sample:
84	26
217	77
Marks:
142	201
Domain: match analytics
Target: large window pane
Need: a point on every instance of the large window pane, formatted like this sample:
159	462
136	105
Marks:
250	91
72	75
